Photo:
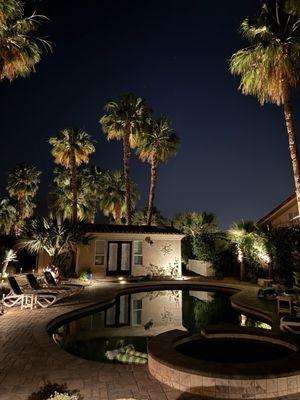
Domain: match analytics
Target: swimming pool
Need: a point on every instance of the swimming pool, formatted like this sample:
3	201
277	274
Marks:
135	317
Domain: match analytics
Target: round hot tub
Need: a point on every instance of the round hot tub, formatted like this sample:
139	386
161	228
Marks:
227	364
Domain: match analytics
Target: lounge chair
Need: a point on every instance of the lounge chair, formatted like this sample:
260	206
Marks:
267	293
52	283
290	324
28	298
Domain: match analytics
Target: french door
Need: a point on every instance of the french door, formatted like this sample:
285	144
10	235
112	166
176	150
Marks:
119	258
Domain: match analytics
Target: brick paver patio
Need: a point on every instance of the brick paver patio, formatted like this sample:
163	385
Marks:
29	357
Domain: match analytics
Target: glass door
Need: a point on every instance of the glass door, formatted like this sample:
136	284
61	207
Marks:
119	258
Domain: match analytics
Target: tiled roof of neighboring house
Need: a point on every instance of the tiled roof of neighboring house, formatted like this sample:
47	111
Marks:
264	219
106	228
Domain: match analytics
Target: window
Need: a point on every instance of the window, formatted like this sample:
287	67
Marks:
137	306
99	252
137	252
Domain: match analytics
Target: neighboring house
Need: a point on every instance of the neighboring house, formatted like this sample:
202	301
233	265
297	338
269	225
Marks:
128	250
285	214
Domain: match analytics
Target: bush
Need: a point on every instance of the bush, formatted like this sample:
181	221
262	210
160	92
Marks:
55	391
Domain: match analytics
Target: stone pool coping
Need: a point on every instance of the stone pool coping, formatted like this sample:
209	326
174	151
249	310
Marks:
161	348
28	356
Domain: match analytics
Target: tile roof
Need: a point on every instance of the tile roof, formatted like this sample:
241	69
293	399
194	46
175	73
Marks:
107	228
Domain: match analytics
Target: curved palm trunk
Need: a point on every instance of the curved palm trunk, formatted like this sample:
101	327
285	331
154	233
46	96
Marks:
74	186
291	131
152	189
126	149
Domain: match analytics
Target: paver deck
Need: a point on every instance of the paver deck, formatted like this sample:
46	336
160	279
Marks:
29	357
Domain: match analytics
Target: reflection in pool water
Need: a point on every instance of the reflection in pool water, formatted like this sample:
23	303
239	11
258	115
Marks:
137	316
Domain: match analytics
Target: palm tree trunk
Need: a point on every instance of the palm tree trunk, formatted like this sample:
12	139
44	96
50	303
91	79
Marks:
126	149
19	223
117	214
291	131
152	188
74	186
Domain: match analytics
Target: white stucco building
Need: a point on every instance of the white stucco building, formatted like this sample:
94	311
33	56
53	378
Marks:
128	250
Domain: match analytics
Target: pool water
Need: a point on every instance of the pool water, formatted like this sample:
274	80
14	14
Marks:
233	351
136	317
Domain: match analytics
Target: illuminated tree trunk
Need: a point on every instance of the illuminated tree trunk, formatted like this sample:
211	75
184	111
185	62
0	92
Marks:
74	186
152	188
242	264
117	214
292	139
126	150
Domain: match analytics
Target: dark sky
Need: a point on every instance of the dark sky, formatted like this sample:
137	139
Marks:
233	159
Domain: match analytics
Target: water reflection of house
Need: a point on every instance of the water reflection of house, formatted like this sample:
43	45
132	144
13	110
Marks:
136	314
127	250
285	214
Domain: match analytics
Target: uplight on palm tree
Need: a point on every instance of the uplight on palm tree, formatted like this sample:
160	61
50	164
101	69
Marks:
20	48
269	67
71	148
22	186
155	145
123	120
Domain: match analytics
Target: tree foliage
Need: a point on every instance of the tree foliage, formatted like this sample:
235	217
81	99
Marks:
20	48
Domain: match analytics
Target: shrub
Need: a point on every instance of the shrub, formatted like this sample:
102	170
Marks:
55	391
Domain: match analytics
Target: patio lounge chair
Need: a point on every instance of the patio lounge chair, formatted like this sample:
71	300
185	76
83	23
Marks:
24	298
34	285
290	324
52	283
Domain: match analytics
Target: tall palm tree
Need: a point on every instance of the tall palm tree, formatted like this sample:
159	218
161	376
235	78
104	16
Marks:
22	186
8	216
269	67
20	48
155	145
71	148
88	188
113	195
124	119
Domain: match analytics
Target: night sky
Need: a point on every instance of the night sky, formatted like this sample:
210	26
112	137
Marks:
234	158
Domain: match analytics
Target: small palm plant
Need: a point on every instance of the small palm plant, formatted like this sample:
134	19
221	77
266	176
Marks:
9	256
22	186
113	195
250	242
269	66
8	216
157	143
123	120
71	148
56	237
20	48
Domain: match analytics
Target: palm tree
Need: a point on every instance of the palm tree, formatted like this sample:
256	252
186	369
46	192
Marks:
251	244
8	216
88	188
156	145
71	148
123	120
20	49
196	223
7	256
269	67
140	217
113	195
58	238
22	186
